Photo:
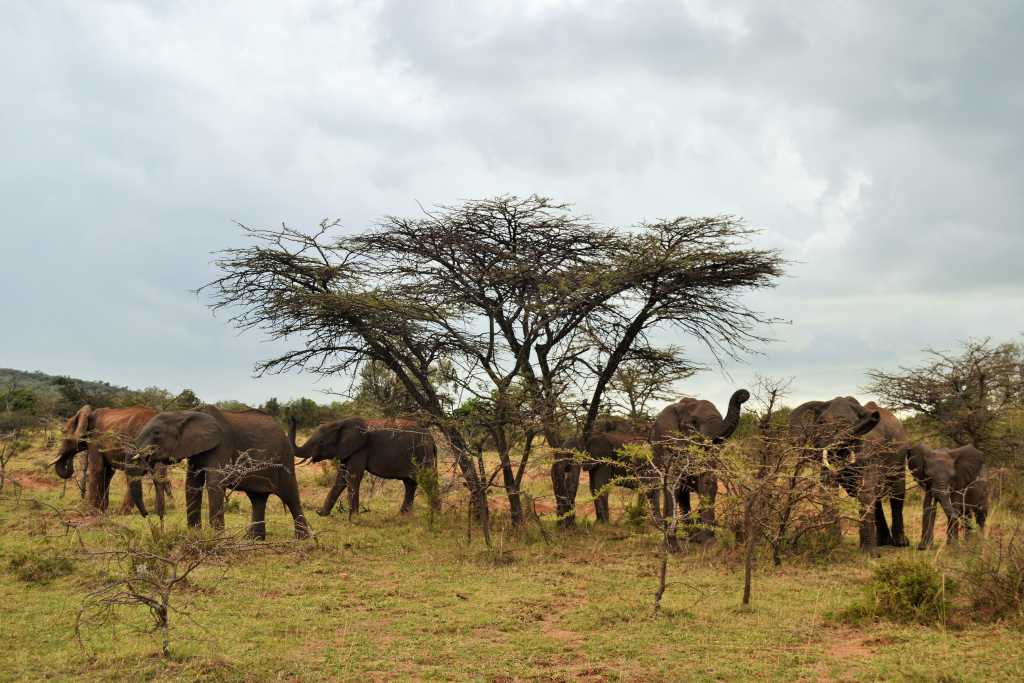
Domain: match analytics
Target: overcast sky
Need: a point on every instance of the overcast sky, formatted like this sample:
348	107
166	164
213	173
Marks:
879	145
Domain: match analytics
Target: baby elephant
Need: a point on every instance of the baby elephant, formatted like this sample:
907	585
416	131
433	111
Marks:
956	478
389	449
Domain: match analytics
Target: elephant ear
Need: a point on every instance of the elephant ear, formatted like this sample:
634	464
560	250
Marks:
968	468
916	461
197	434
80	420
351	437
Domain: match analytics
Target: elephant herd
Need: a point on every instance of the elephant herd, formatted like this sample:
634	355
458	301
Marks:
862	448
243	450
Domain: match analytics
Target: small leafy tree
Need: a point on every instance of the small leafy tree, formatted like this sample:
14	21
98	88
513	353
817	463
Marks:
965	397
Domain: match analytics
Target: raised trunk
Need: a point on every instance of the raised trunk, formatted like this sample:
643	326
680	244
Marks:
867	424
732	416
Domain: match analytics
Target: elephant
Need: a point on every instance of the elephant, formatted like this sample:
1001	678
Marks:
605	444
957	479
242	450
887	443
385	449
106	434
836	429
690	418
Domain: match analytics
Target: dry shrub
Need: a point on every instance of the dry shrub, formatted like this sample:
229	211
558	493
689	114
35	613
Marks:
993	578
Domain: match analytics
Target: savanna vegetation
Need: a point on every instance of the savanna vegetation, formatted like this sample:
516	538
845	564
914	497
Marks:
522	345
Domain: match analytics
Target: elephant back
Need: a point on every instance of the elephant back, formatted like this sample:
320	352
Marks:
114	426
256	432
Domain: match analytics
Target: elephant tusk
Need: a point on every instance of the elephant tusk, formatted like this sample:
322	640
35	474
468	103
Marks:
825	461
54	461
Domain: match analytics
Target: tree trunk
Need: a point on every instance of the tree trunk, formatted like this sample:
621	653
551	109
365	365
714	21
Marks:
515	504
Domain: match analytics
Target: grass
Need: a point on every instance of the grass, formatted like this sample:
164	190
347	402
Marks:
387	598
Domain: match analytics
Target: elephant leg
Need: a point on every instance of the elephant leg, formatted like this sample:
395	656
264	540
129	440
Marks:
288	492
599	478
670	502
158	491
215	499
683	501
952	516
896	499
867	497
979	515
340	484
707	492
195	479
108	475
410	495
927	522
95	469
654	498
128	502
565	481
258	521
883	536
355	478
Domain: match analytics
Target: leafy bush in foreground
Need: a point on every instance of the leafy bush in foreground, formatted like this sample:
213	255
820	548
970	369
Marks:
904	590
40	568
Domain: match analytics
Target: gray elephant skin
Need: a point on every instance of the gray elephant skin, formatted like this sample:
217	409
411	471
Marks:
837	428
106	435
389	449
699	421
240	450
956	479
605	445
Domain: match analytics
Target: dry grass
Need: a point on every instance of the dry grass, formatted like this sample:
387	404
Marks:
388	598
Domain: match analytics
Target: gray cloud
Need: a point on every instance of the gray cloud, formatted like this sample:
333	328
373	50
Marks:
878	145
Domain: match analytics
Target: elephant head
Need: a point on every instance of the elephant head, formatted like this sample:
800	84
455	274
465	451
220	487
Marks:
171	437
72	442
340	440
834	427
944	472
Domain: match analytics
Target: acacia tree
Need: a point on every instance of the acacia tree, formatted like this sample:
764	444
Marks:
962	395
504	291
683	276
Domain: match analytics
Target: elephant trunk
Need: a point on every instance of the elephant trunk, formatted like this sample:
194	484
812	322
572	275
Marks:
298	451
867	424
64	465
732	417
135	491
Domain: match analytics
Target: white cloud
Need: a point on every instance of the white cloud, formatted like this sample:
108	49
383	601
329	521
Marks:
878	145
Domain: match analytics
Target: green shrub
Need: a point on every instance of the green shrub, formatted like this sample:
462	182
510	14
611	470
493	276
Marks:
429	485
906	591
40	567
636	513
